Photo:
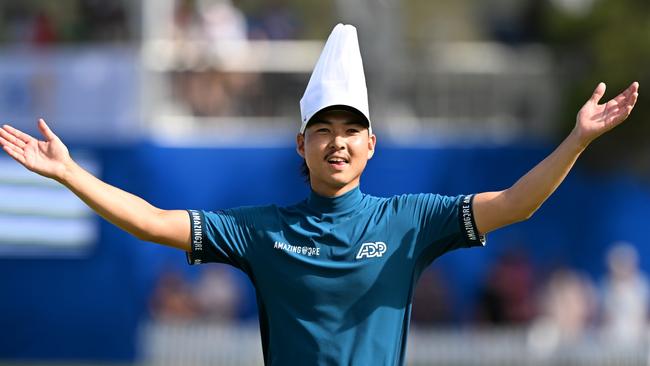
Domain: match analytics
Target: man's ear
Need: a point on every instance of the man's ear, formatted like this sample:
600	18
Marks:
372	142
300	145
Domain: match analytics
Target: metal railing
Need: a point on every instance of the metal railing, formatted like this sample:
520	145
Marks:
192	344
453	91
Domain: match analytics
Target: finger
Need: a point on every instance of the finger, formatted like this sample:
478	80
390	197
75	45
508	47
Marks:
628	110
11	138
15	148
18	134
619	115
627	93
623	96
14	154
632	91
4	143
45	130
598	92
630	100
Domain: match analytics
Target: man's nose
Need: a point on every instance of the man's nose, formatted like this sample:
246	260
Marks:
337	142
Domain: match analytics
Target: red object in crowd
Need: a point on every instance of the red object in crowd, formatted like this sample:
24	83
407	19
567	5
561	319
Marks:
44	32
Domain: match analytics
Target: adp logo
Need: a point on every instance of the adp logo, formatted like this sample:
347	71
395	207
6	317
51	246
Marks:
370	250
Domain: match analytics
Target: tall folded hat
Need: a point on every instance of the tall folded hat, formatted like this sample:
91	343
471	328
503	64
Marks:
338	78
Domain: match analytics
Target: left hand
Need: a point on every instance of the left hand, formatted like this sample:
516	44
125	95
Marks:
595	119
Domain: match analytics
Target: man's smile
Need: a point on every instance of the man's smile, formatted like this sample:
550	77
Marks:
337	162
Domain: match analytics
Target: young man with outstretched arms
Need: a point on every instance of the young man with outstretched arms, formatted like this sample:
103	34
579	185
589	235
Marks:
335	273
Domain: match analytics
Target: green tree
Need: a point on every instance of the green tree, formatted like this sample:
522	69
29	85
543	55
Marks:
609	43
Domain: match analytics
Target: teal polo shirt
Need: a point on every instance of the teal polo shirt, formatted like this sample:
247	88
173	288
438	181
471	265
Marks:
334	277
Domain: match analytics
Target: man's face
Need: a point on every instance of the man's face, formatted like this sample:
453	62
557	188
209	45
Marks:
336	146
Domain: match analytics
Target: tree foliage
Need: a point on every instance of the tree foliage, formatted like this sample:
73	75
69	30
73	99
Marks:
610	43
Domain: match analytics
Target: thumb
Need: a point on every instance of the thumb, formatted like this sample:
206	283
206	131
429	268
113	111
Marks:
45	130
598	92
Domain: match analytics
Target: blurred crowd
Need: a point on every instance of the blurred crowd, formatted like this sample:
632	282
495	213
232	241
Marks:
224	29
43	23
222	20
560	308
214	296
574	44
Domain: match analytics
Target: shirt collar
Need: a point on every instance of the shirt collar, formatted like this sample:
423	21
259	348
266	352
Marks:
340	203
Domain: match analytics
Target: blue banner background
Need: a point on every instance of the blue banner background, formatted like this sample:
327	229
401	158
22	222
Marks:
90	308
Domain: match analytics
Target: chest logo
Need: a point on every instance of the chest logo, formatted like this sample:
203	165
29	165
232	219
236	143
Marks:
371	250
304	250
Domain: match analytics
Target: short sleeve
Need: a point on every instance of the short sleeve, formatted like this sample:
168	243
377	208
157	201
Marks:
443	223
222	236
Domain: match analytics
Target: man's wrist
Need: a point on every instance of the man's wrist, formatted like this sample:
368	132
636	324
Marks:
68	169
577	140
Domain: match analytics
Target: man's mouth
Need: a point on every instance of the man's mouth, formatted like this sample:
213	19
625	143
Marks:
337	161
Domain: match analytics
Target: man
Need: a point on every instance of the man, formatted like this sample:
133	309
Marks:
335	273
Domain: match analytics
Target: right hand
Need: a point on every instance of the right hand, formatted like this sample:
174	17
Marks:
49	158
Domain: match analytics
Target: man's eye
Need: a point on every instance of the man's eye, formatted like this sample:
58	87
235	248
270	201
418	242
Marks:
322	130
353	131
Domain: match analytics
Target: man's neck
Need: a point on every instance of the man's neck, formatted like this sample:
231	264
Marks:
329	191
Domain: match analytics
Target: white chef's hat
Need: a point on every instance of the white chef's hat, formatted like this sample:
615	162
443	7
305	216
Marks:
338	78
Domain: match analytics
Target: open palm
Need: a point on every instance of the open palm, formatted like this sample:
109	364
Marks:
595	119
46	157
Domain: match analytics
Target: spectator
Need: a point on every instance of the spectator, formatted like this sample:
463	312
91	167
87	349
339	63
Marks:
430	301
507	295
172	299
567	309
276	22
216	294
222	21
44	32
104	20
187	24
221	88
625	297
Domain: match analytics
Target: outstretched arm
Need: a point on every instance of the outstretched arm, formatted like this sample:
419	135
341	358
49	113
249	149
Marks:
50	158
493	210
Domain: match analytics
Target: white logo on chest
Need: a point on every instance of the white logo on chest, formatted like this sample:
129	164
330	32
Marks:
304	250
371	250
